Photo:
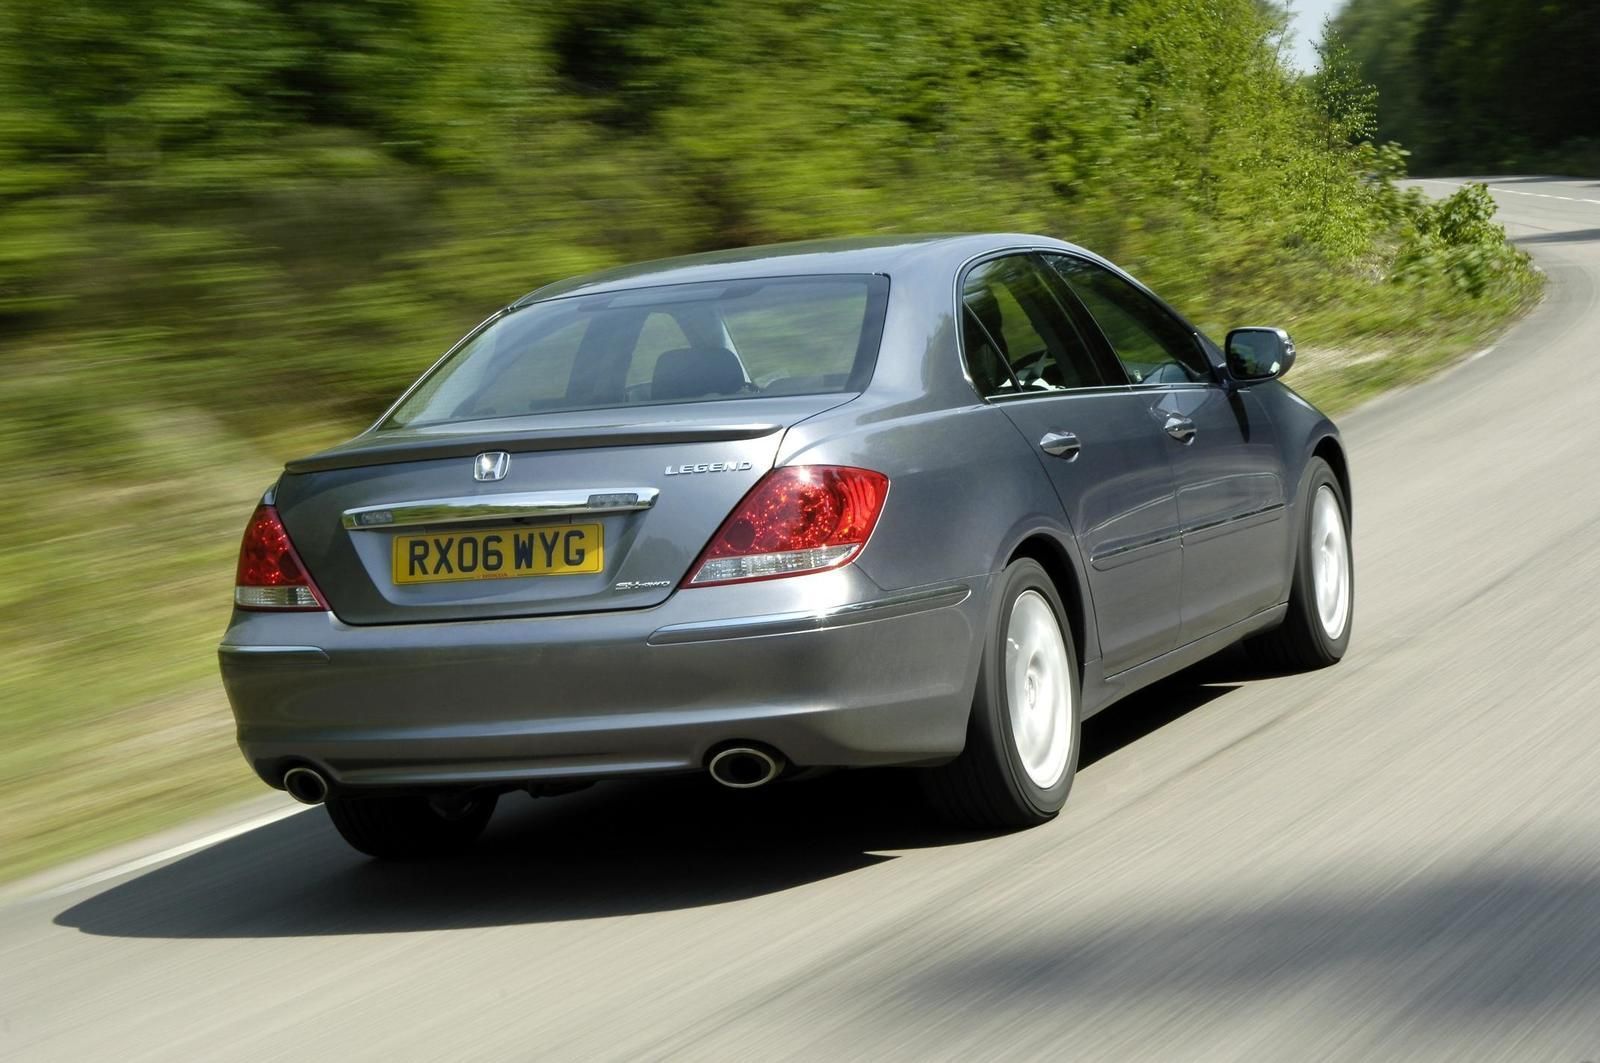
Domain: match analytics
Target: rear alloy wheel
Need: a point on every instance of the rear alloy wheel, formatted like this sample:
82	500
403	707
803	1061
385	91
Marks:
1022	737
411	826
1316	630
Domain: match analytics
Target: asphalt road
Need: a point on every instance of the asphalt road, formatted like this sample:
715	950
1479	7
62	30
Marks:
1396	858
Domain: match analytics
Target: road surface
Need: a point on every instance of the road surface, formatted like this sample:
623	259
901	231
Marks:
1398	858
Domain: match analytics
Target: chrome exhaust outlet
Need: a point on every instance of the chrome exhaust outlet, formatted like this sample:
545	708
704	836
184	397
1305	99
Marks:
306	785
745	767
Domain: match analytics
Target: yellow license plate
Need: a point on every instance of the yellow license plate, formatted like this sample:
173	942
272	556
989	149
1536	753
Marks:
499	553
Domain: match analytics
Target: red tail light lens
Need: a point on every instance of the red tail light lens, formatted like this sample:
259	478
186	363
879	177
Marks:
270	575
803	518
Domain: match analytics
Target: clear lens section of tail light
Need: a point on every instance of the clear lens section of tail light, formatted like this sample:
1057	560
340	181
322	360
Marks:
270	574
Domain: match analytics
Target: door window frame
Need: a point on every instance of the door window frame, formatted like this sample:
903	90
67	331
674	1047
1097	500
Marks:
1103	356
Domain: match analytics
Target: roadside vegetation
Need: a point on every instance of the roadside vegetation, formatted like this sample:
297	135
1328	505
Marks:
1483	86
232	230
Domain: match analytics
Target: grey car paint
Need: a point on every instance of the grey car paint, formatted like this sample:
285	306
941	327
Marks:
1165	552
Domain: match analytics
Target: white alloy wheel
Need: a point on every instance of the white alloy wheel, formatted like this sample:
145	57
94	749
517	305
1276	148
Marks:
1039	689
1330	562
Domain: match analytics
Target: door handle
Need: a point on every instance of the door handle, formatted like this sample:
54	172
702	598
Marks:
1060	445
1179	427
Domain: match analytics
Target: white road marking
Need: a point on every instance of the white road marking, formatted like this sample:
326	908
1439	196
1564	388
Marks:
174	852
1508	191
1483	353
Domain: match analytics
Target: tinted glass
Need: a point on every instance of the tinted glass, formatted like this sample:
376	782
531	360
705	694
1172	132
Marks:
1012	313
990	374
675	343
660	333
1153	346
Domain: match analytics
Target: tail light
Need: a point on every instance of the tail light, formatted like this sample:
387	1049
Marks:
798	519
270	574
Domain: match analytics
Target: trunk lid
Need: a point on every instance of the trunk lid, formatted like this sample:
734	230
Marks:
621	508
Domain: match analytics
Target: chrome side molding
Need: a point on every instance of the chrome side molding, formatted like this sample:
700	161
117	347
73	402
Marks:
530	505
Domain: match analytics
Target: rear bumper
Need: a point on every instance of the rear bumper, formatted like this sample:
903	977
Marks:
863	678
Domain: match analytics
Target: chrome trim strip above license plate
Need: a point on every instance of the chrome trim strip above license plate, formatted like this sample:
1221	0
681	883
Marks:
531	505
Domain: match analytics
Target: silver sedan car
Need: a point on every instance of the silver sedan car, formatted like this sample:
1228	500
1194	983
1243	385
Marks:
922	501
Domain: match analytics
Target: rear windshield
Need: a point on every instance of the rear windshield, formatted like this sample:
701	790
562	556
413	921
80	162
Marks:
674	343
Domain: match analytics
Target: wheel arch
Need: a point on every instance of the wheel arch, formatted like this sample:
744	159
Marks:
1330	450
1059	564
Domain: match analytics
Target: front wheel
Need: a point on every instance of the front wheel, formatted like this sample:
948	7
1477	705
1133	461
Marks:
1022	737
411	826
1316	631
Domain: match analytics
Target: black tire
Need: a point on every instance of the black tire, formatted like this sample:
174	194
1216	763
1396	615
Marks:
411	826
1300	643
987	786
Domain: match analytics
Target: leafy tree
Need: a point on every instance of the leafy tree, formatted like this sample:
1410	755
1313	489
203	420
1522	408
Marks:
1478	84
1348	100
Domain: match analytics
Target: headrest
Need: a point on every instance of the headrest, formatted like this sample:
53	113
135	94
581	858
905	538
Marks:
986	308
692	372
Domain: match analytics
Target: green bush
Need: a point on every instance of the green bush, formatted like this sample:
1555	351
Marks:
1457	240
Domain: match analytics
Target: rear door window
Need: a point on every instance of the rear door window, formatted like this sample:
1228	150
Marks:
1017	337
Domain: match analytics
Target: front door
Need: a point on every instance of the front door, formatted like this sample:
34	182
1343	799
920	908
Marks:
1099	441
1228	469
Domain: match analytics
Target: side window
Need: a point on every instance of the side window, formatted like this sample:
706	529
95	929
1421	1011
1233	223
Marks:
1153	346
1025	341
990	374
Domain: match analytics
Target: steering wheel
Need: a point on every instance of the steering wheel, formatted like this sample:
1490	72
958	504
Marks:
1032	372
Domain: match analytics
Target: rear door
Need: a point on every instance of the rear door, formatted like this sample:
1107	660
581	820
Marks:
1098	440
1229	471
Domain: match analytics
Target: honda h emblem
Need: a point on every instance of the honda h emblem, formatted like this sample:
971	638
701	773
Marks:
491	465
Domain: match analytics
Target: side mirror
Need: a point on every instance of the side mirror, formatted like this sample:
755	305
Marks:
1258	353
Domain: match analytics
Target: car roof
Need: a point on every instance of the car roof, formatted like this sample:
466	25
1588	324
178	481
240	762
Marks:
944	252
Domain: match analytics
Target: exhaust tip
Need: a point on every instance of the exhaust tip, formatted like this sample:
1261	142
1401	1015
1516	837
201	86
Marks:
306	785
745	767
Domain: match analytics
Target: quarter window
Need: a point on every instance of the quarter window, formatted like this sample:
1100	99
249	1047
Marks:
1153	346
1018	338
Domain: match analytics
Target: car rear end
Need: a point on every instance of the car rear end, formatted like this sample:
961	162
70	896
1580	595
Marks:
571	552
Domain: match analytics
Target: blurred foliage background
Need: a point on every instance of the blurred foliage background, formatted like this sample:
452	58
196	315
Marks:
231	230
1484	85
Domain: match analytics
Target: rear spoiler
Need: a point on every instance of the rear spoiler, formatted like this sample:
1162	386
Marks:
397	446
